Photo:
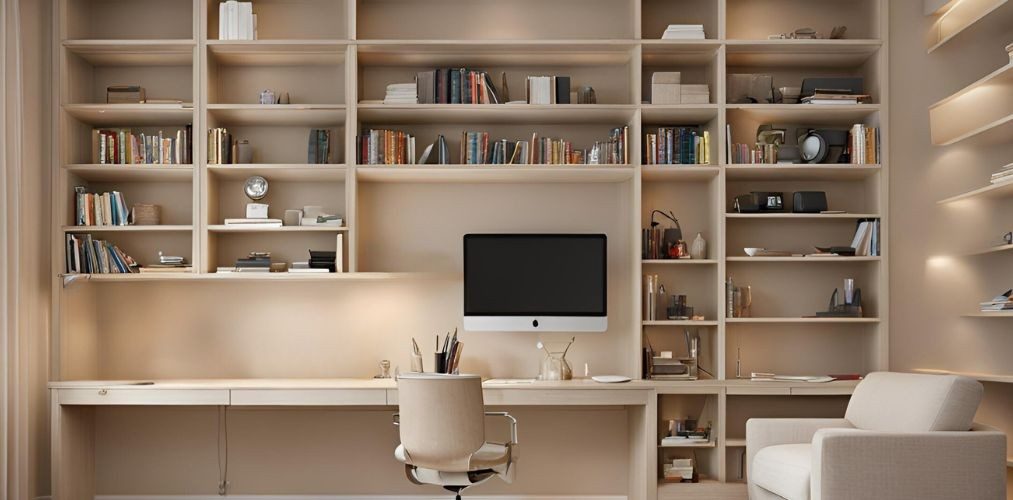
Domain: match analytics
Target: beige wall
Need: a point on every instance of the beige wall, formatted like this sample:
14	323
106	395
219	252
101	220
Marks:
930	288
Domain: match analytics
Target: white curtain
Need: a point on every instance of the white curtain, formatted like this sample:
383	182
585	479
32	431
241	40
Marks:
13	401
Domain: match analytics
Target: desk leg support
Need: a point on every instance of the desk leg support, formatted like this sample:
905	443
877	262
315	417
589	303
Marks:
73	451
642	421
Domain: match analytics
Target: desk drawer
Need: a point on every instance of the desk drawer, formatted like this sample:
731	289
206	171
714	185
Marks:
114	396
309	397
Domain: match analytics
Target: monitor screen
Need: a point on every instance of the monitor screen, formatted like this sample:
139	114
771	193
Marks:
534	275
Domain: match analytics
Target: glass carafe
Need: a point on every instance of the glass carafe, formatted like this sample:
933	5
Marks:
554	365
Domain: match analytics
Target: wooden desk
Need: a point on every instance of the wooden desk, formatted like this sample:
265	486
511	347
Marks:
74	403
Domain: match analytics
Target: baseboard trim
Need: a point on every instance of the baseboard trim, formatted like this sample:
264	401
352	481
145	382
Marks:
357	497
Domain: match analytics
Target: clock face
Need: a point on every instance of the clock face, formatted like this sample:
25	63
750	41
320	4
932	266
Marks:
256	187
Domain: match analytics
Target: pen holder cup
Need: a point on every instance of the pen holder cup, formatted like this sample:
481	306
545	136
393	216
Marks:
440	363
417	363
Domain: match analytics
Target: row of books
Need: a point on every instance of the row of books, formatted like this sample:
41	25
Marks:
863	144
396	147
318	150
88	255
866	241
752	153
123	146
455	86
221	147
385	147
1004	174
677	145
100	209
547	89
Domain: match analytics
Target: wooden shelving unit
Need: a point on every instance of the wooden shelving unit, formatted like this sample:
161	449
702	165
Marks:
402	222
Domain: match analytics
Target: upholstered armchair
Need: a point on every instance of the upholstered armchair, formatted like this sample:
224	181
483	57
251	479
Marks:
904	436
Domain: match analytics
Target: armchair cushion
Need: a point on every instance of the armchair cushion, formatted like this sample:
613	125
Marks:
784	469
909	402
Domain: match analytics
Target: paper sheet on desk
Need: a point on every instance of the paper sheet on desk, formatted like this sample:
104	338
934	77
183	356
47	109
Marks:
787	378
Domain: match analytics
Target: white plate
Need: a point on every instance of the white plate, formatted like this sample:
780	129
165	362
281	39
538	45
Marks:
610	379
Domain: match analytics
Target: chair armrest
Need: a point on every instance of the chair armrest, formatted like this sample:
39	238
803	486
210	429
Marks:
853	463
396	419
764	432
513	423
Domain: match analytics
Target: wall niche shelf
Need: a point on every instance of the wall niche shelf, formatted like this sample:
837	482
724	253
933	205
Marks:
963	15
998	190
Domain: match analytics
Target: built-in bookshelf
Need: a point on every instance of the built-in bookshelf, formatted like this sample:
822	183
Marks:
335	58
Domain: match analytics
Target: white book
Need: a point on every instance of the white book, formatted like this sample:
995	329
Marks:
308	270
246	8
859	234
339	254
223	21
233	27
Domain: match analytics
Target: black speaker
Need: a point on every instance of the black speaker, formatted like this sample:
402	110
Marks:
810	202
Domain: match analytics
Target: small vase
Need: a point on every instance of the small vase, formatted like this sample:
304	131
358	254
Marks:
699	248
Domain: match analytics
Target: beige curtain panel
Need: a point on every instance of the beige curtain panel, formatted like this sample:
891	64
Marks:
13	399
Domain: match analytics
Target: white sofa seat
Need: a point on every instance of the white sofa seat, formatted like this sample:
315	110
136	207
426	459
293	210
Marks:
784	470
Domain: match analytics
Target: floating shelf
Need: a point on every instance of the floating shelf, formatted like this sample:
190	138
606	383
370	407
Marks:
808	260
982	110
308	115
494	173
297	172
999	190
131	173
680	322
679	172
131	114
993	314
222	228
982	377
995	249
133	52
608	115
794	172
167	228
679	262
966	13
799	320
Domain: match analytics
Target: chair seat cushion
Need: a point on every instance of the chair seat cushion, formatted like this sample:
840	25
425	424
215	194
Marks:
784	470
490	455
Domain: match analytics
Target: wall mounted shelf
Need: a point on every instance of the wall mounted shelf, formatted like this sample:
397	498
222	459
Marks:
982	110
998	190
964	14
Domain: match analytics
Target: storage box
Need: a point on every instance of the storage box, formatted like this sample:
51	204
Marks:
695	94
666	88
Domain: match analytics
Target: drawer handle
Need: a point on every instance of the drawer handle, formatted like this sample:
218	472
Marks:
102	392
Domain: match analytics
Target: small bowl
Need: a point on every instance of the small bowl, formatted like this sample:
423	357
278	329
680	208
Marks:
752	251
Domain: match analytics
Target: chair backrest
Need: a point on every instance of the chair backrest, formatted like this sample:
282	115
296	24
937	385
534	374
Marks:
910	402
442	419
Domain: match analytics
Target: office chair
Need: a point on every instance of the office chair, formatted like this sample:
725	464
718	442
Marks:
441	420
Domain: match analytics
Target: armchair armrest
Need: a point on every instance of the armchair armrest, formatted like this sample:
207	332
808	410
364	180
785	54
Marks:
513	423
764	432
852	463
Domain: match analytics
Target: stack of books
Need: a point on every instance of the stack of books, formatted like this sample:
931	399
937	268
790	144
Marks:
683	32
677	145
455	86
866	240
323	259
123	146
221	147
834	97
679	469
168	264
401	93
385	147
236	21
105	209
255	262
318	149
547	89
87	255
124	94
1004	174
863	144
1003	302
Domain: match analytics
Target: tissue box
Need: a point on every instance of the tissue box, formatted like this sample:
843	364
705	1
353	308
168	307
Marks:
666	88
